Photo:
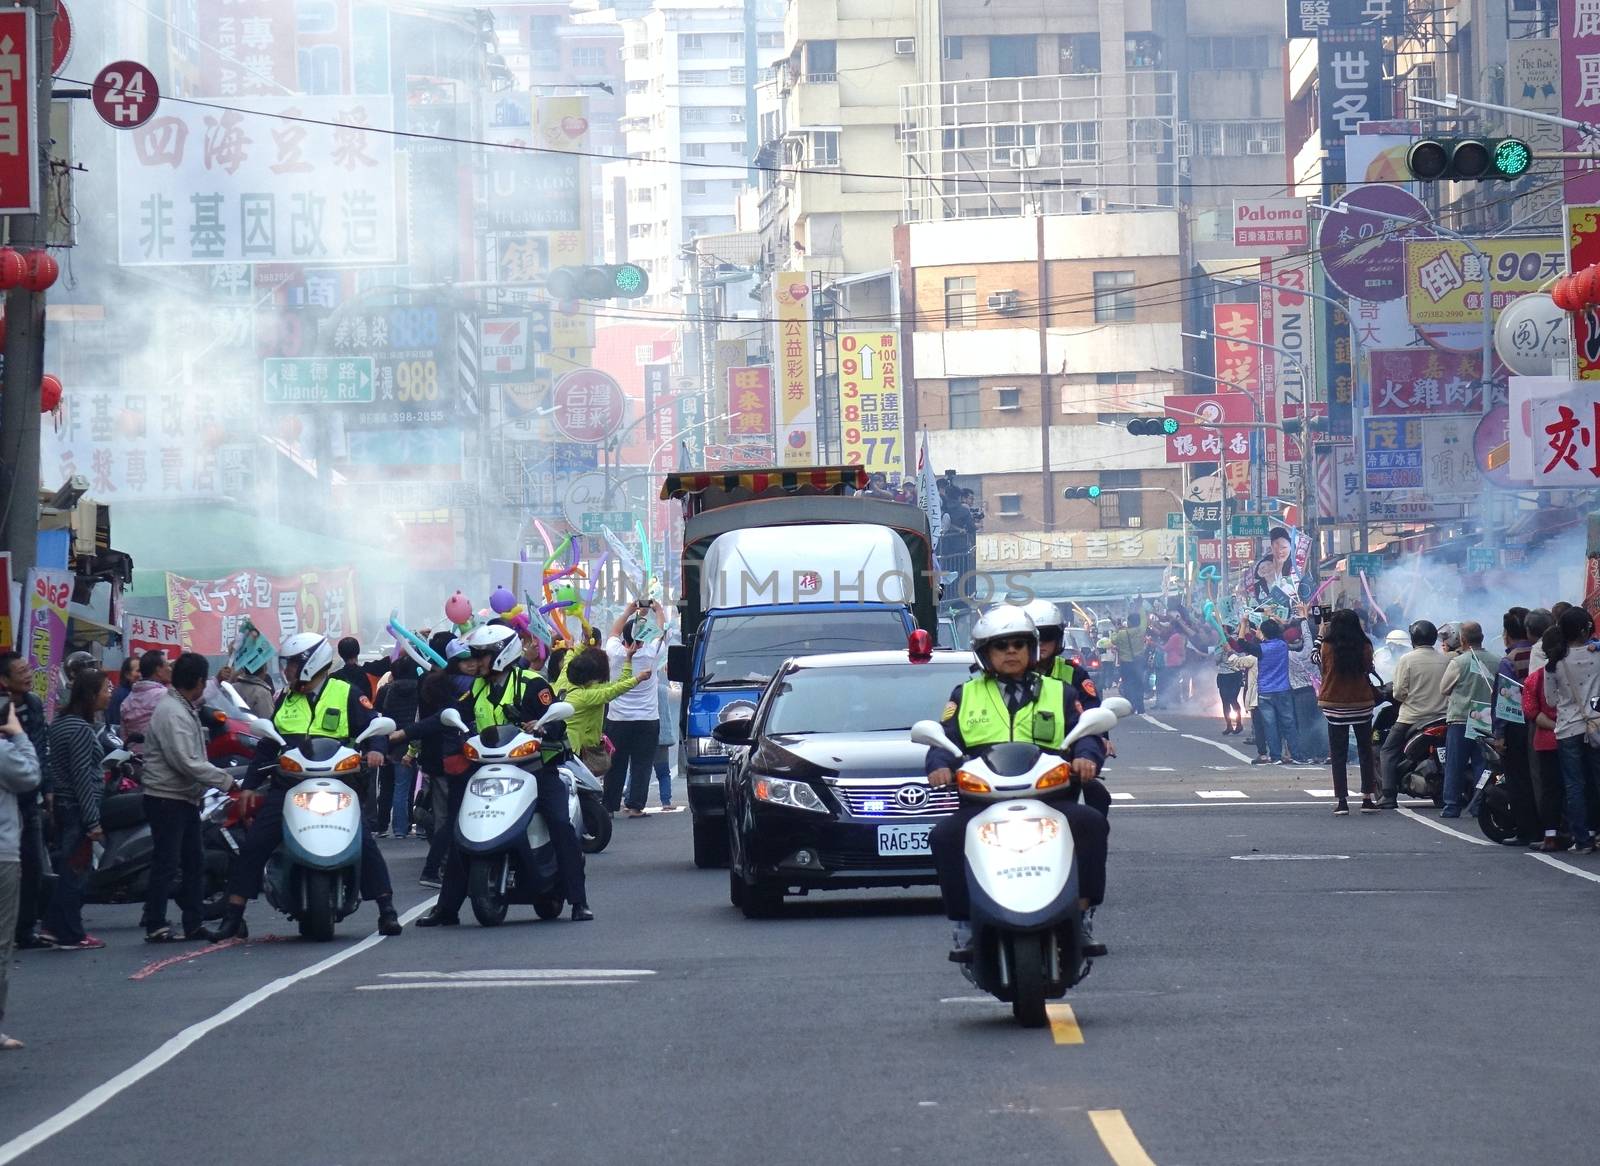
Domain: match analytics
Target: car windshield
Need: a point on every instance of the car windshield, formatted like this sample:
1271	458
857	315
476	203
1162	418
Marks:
863	700
749	649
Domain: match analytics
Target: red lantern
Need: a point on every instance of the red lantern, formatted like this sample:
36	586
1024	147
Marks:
2	333
1560	293
49	393
41	271
13	268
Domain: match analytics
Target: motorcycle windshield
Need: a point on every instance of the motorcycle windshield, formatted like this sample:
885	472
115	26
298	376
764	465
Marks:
320	749
1011	759
499	736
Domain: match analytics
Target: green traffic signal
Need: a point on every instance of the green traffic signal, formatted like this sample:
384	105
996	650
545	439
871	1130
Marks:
630	280
1169	425
613	281
1468	159
1090	492
1153	426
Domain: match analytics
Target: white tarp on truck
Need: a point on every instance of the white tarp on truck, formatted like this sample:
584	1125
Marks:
825	563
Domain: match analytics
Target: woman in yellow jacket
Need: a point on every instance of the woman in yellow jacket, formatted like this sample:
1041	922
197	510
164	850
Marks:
586	685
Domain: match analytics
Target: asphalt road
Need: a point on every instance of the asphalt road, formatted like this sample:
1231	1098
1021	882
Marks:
1283	987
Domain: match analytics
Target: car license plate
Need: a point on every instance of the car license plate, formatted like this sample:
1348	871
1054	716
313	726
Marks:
896	841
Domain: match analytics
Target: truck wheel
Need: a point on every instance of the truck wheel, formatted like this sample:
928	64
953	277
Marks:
321	891
483	889
710	843
1030	961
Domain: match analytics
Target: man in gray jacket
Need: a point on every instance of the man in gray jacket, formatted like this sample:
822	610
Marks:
19	777
176	774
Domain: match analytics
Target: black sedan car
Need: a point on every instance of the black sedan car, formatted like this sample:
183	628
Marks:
825	789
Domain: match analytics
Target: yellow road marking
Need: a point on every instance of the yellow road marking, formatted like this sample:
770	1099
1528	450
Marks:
1116	1135
1064	1025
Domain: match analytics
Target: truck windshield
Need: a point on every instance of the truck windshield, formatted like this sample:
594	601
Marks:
863	700
747	649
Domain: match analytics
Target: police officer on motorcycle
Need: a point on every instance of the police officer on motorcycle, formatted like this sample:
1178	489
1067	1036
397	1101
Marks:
313	704
506	691
1009	701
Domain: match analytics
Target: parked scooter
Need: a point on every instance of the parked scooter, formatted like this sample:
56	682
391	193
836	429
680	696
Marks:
1021	869
314	876
1491	804
501	836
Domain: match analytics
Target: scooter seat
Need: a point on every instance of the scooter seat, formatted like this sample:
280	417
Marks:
122	811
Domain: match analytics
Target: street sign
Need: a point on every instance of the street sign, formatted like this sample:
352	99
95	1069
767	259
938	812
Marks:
1481	559
19	160
1250	524
1174	520
588	404
60	38
317	381
125	95
1366	564
617	520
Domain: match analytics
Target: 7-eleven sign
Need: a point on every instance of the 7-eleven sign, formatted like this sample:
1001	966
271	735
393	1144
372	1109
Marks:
503	344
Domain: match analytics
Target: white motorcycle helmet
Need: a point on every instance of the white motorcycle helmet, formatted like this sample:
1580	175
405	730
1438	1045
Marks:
1046	618
497	643
313	652
999	623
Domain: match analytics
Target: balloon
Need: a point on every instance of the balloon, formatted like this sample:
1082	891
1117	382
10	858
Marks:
458	608
502	600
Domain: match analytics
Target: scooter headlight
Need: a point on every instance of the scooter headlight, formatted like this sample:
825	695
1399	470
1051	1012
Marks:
494	787
796	795
321	801
971	783
1019	834
1058	776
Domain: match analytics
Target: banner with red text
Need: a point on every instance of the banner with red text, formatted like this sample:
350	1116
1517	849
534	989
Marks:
208	611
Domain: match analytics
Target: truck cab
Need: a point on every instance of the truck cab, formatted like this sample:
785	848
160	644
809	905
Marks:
778	564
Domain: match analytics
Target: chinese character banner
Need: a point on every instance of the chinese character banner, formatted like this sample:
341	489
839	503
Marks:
1420	382
1583	243
255	184
1580	94
209	611
1444	280
750	402
797	403
869	402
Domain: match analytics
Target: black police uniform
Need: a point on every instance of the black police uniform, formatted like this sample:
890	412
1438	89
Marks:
1089	829
1094	793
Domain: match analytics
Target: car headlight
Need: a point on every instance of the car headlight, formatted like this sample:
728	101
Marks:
705	747
494	787
321	801
1019	834
797	795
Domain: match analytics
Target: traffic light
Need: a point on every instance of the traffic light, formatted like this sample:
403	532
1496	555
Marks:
609	281
1153	426
1468	159
1081	492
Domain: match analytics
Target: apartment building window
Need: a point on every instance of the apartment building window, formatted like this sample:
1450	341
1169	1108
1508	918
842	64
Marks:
692	78
1080	52
690	42
961	302
1236	139
964	409
1010	505
694	149
588	58
1229	52
770	40
316	17
1013	56
1113	513
1080	141
952	48
1009	138
822	148
1008	399
695	186
693	113
822	61
1113	297
696	227
736	75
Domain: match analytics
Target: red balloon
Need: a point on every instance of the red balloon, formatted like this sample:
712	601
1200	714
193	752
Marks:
13	268
49	393
41	271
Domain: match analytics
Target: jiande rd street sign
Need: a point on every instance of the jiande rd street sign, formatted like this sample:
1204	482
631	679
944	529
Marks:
317	381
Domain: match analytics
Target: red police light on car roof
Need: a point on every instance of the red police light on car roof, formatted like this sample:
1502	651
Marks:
919	647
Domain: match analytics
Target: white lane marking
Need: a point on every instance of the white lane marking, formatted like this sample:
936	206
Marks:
518	974
968	1000
1249	805
1158	724
139	1070
1219	794
1119	796
1443	829
1223	745
486	984
1161	769
1289	857
1318	793
1566	866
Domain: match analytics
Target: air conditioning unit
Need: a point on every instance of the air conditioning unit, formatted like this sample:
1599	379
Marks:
905	46
1003	301
1024	157
1258	146
736	117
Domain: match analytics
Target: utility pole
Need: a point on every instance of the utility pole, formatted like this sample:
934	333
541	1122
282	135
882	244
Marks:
19	408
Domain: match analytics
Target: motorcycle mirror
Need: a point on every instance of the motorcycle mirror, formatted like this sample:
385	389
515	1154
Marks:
1094	723
380	727
560	711
262	727
1120	705
452	720
233	695
930	734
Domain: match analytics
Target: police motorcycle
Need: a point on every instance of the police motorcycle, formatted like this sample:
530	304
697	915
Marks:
314	877
1027	929
501	807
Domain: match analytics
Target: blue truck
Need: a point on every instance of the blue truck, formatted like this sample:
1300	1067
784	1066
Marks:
780	563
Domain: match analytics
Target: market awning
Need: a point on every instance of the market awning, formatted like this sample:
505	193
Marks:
757	481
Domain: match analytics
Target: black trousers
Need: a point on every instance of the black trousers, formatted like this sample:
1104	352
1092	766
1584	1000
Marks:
445	793
1229	686
1089	833
1394	748
1339	753
175	850
563	836
266	832
35	865
1519	781
633	763
1550	791
1096	796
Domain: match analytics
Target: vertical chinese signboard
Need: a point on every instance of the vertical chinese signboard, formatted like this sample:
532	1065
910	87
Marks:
750	402
1583	249
19	168
869	401
797	401
1350	76
44	636
1580	96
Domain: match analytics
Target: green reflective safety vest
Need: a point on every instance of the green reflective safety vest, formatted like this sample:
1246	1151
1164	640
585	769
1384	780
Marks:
330	717
487	711
983	719
1064	670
